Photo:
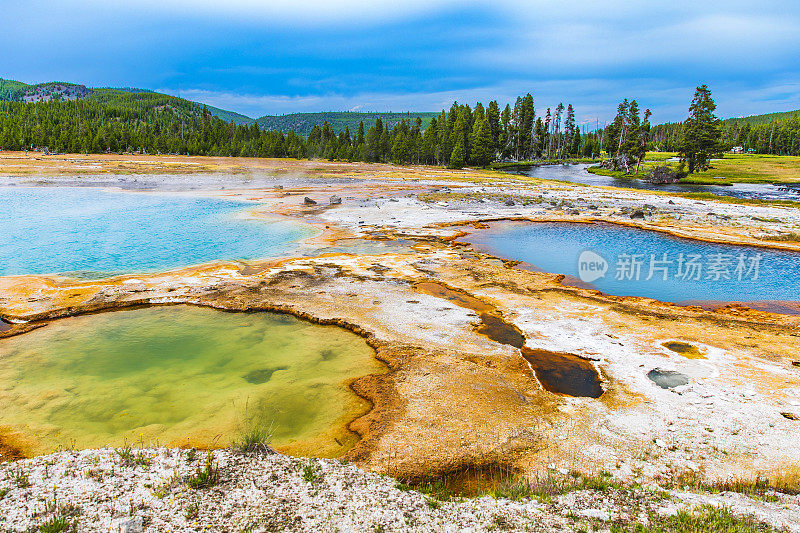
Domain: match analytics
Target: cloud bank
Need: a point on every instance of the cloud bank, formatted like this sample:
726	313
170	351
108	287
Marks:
266	57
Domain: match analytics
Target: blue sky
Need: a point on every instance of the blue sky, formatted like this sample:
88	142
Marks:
262	57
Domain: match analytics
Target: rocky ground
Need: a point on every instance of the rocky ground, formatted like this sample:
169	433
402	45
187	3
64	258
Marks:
130	490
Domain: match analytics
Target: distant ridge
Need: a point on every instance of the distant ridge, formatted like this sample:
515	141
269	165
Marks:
302	123
758	120
16	91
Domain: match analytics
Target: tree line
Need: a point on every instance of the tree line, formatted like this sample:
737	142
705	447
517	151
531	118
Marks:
143	123
776	137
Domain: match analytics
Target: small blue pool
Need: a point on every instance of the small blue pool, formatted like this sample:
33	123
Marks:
627	261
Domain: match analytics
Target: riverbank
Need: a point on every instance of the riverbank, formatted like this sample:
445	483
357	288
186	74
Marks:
541	162
725	171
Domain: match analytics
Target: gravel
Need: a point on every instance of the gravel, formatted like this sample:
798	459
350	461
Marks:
150	490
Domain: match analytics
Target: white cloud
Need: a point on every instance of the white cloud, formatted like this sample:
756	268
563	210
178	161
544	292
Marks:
296	12
595	99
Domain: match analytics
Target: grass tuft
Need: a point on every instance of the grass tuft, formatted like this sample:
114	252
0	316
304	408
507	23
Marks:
205	476
20	478
58	524
310	475
255	438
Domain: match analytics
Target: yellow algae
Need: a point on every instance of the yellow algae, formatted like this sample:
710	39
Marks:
685	349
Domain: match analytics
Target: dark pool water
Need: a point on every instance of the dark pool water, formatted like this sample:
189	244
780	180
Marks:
648	263
578	174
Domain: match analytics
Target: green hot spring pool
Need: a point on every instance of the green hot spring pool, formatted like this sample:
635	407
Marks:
182	376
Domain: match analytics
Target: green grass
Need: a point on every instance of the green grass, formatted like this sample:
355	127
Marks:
20	478
659	156
751	168
705	519
618	174
732	168
205	476
310	475
500	482
58	524
254	438
696	179
128	458
787	482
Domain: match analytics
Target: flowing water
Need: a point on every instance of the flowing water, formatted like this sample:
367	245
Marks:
578	174
648	263
183	375
90	232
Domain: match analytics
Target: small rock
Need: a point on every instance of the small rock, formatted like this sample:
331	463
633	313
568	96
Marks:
790	416
336	200
795	363
309	201
671	202
600	514
509	202
638	214
127	525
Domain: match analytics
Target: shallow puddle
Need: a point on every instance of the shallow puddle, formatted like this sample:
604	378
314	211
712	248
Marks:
183	375
497	329
667	379
685	349
564	373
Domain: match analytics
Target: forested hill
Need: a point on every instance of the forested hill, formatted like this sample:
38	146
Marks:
303	123
758	120
116	121
15	91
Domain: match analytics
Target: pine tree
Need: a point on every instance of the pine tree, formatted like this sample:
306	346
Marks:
461	134
702	136
482	150
458	157
493	115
